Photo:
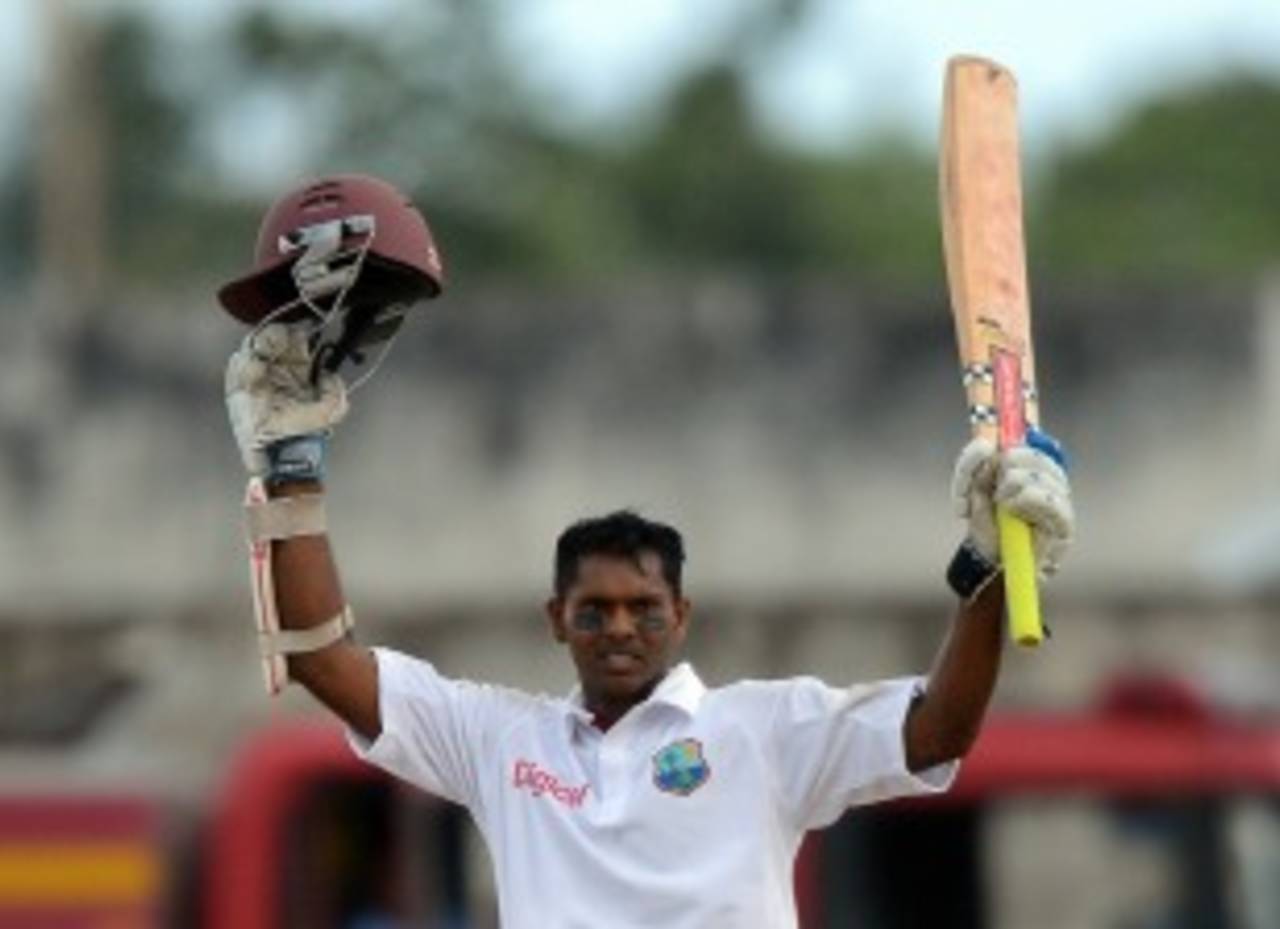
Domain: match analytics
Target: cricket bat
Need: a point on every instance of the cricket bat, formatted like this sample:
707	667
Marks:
980	191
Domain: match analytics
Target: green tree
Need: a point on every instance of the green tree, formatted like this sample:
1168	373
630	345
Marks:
1185	188
1182	189
166	223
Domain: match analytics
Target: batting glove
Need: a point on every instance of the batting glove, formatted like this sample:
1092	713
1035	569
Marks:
1031	482
281	420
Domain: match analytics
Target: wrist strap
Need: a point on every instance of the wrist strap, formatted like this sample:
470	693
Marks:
297	458
970	571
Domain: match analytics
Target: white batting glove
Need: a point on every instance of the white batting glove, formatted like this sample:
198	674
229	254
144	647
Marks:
270	396
1030	483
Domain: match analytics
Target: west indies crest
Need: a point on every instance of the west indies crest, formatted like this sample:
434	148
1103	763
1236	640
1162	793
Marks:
680	767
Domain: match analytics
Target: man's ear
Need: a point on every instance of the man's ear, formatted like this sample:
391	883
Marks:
684	610
555	617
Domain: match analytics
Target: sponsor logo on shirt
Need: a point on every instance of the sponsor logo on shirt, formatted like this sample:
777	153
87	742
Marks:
527	775
680	768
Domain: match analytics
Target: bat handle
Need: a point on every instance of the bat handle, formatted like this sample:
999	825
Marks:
1022	599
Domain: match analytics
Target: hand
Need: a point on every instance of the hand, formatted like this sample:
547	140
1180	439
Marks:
1031	482
270	396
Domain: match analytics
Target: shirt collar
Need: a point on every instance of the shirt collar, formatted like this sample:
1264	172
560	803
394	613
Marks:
681	688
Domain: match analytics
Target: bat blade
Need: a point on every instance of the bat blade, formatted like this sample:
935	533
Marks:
980	191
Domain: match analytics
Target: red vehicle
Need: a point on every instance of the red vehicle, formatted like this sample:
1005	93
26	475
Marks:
80	863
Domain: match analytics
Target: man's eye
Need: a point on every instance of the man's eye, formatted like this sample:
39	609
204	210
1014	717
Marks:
588	619
653	620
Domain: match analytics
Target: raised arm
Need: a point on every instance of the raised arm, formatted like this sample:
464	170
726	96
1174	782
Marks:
944	723
1031	481
343	675
281	421
339	262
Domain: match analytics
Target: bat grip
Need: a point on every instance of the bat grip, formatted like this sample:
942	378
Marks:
1022	600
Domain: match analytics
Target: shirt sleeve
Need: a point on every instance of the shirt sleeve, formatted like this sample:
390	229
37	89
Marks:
838	748
436	731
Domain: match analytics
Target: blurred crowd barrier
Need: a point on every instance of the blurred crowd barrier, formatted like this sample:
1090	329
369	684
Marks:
801	436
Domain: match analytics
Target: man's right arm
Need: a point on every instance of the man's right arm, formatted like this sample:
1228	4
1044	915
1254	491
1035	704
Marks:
281	417
343	676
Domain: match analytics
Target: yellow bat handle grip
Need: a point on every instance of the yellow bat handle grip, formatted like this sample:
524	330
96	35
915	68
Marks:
1022	600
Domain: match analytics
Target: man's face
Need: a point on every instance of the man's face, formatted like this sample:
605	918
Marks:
622	623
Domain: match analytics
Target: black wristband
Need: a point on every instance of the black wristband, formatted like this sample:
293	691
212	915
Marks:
969	571
297	458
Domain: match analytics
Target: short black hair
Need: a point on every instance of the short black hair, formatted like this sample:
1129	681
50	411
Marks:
621	534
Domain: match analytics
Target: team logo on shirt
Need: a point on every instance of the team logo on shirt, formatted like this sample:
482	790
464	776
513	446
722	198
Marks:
680	768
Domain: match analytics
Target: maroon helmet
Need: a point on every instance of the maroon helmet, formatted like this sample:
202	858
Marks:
347	248
401	258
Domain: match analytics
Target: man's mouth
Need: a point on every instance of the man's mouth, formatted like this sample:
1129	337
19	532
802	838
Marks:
619	662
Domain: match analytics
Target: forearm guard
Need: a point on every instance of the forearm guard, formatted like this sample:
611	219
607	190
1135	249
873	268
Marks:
272	519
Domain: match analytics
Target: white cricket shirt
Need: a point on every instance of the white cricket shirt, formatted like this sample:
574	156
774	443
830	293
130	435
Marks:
686	814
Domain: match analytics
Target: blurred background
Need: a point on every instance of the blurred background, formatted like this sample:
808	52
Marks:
695	268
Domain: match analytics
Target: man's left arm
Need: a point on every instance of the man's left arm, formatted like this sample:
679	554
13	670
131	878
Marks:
943	723
1031	482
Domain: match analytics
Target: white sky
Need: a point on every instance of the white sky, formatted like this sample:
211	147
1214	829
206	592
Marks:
880	62
859	64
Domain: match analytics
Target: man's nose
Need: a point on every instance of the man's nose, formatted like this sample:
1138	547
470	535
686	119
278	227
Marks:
619	622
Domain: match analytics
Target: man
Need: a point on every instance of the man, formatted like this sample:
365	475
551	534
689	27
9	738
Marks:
644	798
